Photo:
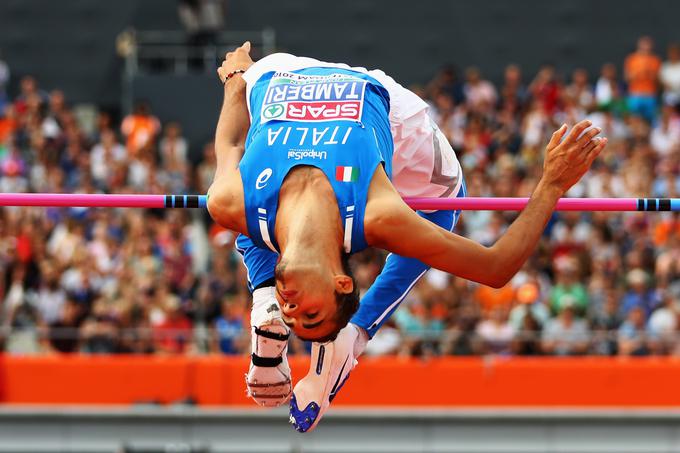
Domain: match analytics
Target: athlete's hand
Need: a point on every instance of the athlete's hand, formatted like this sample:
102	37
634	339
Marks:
566	161
239	59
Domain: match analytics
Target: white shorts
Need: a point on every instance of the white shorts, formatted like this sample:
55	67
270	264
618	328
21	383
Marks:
424	164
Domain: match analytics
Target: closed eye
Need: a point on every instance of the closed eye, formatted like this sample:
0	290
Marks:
311	315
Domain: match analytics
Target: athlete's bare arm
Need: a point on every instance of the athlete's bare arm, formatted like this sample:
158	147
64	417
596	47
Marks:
234	121
225	196
390	224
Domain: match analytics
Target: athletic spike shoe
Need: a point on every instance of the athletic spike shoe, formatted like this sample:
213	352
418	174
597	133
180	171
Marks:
268	380
330	367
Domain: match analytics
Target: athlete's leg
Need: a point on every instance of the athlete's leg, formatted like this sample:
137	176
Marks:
268	379
399	275
260	263
332	362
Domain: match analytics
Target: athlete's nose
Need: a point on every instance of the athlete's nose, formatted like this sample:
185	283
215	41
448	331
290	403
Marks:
289	309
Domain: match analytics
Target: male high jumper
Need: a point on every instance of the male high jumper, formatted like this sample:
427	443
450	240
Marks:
312	161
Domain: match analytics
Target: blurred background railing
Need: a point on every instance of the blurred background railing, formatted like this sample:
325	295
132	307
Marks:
101	338
174	50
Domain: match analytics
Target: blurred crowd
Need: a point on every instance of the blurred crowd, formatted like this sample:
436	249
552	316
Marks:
170	281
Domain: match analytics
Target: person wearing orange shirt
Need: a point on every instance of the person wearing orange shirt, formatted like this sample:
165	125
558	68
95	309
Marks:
8	124
140	129
642	74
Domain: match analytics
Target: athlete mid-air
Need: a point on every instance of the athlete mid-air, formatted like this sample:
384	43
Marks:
312	161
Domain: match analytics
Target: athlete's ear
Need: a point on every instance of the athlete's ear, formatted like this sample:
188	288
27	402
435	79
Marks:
343	284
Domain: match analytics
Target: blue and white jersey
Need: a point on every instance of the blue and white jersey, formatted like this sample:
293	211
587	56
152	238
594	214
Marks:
423	163
334	119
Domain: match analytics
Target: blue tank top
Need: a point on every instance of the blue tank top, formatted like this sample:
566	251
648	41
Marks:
330	118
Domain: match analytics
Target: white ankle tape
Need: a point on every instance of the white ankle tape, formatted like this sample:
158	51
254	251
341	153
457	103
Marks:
265	307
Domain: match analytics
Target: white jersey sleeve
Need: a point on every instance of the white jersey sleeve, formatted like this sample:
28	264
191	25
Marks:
423	164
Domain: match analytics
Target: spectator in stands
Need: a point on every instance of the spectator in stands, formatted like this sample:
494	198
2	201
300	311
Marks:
665	136
174	152
50	298
413	323
173	148
140	129
99	332
546	89
605	324
480	94
206	169
527	339
568	289
495	333
105	157
229	327
528	303
461	338
641	69
663	325
580	91
30	93
63	332
670	76
446	81
386	341
173	334
451	117
608	89
632	336
513	93
639	295
566	334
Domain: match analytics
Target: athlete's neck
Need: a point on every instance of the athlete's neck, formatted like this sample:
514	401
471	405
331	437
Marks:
308	225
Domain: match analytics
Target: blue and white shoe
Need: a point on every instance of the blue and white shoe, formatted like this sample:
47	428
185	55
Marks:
331	364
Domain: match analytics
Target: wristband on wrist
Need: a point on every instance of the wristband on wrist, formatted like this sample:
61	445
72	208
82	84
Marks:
232	74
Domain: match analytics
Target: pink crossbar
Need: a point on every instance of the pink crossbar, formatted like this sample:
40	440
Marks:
82	200
517	204
470	203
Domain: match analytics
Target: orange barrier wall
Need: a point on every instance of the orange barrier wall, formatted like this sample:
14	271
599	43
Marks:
218	380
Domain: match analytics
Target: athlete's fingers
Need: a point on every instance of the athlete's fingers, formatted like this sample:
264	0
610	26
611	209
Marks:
588	136
577	130
597	149
557	136
246	46
588	147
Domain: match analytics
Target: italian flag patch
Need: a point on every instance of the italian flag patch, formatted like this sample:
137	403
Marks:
346	174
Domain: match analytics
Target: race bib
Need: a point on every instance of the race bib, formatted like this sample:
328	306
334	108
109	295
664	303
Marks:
309	98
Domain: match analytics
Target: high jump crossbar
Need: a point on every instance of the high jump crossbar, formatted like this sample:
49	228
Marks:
468	204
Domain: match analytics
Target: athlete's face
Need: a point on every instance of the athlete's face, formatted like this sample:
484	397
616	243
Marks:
308	300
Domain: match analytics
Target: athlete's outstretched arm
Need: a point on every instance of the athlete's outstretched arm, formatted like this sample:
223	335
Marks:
392	225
